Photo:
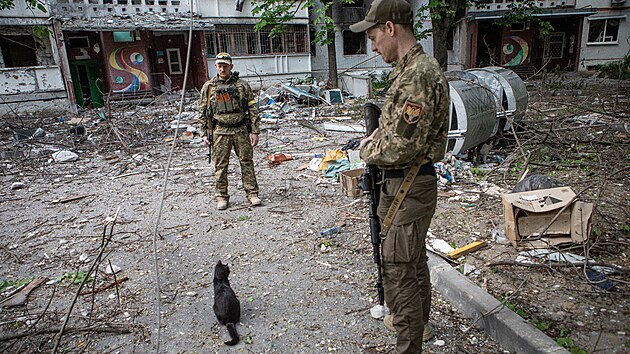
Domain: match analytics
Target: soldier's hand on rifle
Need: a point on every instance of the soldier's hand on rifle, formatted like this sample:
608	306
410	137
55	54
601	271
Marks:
371	137
253	139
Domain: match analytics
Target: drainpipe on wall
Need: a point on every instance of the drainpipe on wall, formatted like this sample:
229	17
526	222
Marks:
63	63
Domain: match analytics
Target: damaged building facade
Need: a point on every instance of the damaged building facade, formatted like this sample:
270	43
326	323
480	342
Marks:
585	34
122	49
97	51
31	67
107	50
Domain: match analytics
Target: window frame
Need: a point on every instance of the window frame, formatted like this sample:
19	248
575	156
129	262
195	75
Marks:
242	40
356	36
603	31
548	43
170	63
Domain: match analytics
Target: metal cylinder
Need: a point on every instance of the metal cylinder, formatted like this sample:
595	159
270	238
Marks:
514	96
472	117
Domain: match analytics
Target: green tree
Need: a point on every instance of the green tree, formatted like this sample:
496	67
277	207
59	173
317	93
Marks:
39	31
275	14
33	4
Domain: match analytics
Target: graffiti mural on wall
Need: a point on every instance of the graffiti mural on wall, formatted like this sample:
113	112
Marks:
515	51
119	61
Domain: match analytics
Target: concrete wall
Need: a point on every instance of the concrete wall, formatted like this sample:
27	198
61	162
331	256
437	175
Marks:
268	70
503	5
22	15
224	11
32	89
98	8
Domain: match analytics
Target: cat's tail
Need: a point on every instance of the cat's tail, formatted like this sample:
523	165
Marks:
232	330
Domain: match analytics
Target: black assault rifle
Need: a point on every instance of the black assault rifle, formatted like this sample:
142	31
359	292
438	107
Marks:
369	183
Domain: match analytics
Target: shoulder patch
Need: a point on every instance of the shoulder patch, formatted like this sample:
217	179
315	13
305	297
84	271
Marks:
412	112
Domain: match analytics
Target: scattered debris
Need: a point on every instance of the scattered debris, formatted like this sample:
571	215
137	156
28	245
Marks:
26	134
535	182
112	269
72	198
64	156
17	185
544	217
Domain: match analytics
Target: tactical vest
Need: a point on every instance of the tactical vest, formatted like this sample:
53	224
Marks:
227	105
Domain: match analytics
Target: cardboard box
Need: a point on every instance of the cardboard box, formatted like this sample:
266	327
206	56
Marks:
527	214
349	181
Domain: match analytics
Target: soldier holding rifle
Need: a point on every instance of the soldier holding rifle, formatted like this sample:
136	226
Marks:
411	136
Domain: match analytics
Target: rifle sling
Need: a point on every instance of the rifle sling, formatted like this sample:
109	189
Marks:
400	196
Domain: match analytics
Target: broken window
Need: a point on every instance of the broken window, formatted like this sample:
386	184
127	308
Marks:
517	27
174	61
78	42
243	40
603	31
18	50
353	43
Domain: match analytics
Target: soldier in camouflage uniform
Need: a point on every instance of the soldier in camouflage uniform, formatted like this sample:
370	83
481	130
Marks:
229	112
413	126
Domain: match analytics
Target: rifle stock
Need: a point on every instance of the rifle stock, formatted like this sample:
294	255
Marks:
369	183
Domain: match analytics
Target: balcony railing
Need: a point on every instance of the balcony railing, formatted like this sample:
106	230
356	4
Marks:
103	8
506	4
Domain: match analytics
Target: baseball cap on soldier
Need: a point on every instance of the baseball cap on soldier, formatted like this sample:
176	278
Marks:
381	11
223	58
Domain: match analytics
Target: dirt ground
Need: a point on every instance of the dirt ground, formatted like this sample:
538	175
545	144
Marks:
300	292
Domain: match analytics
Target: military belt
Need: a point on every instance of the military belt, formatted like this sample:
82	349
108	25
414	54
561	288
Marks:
230	125
426	169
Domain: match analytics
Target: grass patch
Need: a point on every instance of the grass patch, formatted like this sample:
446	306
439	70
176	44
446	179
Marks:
4	284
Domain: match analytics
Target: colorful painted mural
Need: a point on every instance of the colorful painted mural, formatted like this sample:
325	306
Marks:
515	51
139	79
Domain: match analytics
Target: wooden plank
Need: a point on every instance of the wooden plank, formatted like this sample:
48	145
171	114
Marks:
462	251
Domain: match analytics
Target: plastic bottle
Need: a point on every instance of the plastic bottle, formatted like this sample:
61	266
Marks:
330	231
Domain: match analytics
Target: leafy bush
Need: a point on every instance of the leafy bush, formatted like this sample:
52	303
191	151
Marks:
617	70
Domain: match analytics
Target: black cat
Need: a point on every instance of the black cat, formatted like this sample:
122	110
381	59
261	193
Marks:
226	307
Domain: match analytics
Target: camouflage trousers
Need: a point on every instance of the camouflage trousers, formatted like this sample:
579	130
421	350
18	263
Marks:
222	146
406	278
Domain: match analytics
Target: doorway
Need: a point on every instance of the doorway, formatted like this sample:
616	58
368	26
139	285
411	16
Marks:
87	83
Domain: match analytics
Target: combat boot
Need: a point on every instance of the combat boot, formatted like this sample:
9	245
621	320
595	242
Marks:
222	203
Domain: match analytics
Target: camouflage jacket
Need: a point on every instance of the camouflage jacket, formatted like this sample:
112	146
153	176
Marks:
414	119
207	103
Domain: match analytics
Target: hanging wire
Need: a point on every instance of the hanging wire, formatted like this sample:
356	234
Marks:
156	270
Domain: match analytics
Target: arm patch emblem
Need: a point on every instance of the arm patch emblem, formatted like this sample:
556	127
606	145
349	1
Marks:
412	112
